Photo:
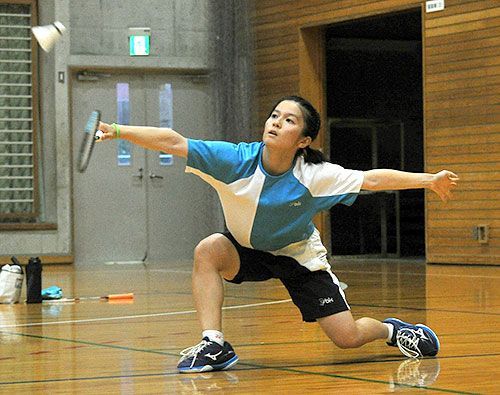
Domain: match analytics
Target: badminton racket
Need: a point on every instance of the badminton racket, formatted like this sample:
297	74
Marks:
88	140
111	297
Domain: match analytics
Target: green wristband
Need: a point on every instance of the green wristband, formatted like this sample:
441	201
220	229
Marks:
117	130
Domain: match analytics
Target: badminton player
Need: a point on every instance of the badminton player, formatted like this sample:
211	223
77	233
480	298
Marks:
270	191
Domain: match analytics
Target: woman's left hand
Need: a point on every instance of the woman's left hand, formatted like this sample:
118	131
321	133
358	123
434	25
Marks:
443	183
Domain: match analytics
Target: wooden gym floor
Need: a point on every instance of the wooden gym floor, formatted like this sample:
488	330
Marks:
132	348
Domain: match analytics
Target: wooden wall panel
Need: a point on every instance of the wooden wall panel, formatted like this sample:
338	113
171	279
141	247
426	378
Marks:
461	66
462	119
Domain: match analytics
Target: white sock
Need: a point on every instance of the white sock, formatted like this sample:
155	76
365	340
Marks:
214	336
390	328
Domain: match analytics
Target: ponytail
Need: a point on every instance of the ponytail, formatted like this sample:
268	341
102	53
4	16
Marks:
311	155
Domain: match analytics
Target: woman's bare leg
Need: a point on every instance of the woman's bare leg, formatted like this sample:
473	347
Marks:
346	332
215	258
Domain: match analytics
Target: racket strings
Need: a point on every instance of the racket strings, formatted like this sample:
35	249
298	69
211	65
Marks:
88	140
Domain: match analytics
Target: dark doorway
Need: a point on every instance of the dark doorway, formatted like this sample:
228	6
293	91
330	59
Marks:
375	113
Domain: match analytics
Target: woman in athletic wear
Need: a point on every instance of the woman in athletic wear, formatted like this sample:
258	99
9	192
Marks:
270	191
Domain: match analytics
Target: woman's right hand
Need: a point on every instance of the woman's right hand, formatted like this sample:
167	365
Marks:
108	131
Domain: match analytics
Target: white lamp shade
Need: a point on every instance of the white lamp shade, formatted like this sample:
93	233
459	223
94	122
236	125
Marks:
48	35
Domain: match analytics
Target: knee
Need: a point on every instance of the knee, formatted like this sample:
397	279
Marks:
205	249
342	330
210	252
355	335
347	339
347	342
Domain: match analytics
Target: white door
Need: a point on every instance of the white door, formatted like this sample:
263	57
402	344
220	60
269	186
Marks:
182	209
147	207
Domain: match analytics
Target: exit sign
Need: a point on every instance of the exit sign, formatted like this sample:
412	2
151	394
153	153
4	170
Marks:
139	41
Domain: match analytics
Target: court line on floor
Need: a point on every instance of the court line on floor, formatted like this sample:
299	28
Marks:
290	369
340	270
102	319
366	380
370	305
129	317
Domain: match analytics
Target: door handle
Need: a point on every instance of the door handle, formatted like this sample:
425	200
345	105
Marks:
139	175
153	175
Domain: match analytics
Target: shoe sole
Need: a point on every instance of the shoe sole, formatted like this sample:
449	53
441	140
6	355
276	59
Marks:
433	335
208	368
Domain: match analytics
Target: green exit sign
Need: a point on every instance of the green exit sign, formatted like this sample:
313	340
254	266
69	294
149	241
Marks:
139	41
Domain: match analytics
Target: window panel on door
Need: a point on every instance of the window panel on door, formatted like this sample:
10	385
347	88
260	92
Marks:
166	118
123	118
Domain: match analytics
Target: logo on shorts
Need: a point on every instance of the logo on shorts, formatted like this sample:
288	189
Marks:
298	203
323	301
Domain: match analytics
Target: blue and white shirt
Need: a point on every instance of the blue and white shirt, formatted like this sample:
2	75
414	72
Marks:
273	213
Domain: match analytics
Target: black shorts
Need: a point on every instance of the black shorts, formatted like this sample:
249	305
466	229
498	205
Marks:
317	294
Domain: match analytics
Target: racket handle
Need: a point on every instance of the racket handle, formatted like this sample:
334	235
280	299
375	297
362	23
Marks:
120	296
98	135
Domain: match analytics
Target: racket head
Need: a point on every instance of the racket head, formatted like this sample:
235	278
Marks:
88	140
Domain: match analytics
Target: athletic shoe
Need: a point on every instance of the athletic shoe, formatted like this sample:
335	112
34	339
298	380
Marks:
414	341
206	356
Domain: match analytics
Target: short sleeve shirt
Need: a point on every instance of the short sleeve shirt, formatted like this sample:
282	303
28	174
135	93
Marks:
263	211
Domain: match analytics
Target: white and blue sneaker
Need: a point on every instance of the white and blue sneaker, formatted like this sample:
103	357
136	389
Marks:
207	356
414	341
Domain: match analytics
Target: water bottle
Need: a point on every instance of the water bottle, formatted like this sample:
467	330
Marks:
34	280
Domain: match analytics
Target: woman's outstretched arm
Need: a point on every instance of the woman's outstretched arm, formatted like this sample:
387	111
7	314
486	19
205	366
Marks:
441	183
156	139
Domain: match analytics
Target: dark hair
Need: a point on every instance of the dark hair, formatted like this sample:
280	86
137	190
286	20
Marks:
312	124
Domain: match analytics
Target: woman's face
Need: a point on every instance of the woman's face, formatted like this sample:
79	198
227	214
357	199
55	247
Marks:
283	129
